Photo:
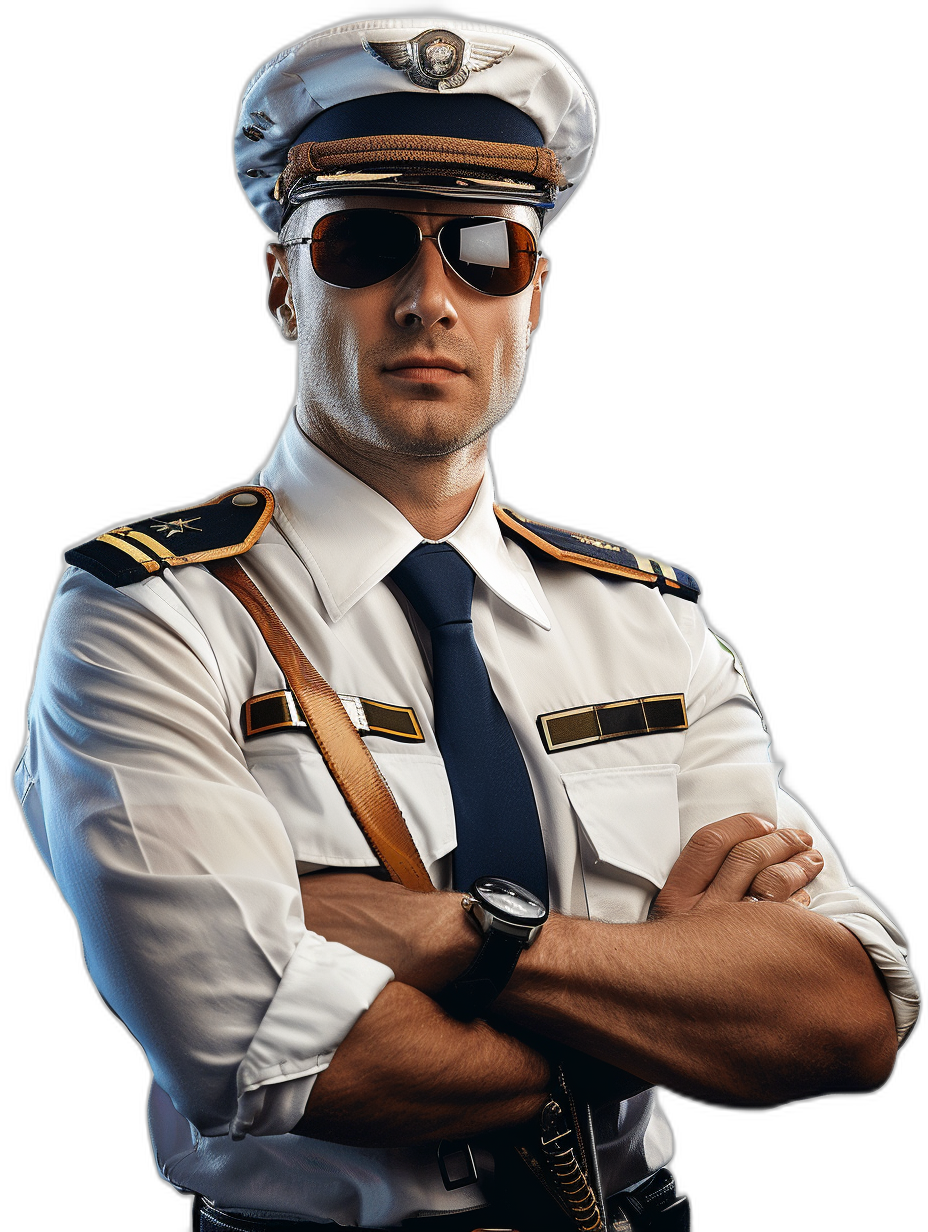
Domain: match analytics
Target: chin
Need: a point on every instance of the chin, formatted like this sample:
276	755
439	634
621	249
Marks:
435	445
427	434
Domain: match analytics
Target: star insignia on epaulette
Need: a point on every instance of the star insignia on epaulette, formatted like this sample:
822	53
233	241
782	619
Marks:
438	59
228	525
598	543
178	526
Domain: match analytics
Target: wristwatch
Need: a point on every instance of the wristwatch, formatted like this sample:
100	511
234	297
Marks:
510	919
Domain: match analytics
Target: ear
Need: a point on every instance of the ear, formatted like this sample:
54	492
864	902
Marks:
534	312
280	292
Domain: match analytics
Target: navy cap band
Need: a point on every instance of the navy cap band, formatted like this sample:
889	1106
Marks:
477	117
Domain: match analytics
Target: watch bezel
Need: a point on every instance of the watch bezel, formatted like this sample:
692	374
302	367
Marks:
489	917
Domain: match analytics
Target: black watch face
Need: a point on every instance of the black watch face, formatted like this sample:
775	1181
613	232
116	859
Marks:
509	901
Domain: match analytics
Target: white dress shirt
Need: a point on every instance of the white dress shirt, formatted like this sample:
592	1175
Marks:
178	843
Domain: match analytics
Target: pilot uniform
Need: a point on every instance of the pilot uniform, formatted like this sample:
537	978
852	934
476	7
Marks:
176	795
177	838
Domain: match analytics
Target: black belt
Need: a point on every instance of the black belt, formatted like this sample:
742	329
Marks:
651	1207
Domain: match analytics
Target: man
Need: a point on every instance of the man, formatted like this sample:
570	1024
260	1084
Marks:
380	437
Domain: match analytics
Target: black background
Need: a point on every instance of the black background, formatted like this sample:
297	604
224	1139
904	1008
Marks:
716	381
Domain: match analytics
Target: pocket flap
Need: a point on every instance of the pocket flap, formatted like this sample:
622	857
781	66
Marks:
420	785
629	816
317	820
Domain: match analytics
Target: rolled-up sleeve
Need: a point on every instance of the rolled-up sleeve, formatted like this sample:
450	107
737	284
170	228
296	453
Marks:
726	768
178	869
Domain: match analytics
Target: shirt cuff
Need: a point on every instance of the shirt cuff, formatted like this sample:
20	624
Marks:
883	942
889	959
324	990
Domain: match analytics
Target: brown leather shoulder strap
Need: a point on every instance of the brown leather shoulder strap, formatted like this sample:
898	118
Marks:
344	752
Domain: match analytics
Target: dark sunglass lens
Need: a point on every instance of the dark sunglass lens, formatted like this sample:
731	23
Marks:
494	255
358	248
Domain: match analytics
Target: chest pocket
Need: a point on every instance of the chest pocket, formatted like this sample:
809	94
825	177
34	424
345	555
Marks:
319	825
629	832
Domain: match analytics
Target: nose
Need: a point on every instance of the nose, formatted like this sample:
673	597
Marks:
423	293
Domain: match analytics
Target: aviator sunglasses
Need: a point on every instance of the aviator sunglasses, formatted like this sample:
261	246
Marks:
359	248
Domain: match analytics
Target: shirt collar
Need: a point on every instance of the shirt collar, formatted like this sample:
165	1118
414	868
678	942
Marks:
349	537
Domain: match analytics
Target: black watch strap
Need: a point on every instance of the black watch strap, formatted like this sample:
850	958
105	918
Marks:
486	977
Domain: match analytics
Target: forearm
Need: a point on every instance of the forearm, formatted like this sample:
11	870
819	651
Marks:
409	1073
744	1003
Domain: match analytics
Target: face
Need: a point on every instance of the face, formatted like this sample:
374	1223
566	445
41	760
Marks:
421	364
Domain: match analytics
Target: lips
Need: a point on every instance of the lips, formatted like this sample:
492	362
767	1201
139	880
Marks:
425	368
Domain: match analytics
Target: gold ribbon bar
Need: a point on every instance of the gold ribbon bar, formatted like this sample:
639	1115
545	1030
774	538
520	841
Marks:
639	716
272	711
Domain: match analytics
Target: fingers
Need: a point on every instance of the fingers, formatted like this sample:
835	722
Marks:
771	867
703	856
780	882
738	857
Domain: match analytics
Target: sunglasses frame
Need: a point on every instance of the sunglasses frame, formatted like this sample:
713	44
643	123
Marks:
410	215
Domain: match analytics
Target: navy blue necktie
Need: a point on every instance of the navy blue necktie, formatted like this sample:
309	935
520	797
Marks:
498	831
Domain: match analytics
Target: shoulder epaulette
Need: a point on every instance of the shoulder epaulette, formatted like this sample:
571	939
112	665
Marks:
228	525
589	553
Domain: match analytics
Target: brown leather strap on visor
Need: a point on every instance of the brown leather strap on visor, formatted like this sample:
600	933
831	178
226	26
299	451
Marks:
344	752
403	152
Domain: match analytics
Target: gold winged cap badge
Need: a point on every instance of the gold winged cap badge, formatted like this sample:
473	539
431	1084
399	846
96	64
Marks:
438	59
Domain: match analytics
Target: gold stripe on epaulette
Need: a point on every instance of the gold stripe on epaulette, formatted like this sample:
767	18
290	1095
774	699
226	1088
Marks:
152	544
669	571
130	549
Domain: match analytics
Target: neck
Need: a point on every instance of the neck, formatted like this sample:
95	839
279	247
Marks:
434	494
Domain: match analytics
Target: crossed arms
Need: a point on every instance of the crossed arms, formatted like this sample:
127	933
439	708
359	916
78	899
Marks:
177	863
732	1001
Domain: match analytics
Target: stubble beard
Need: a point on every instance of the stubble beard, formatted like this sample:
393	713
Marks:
358	413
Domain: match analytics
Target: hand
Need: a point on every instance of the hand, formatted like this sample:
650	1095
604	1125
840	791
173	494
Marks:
737	857
425	938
